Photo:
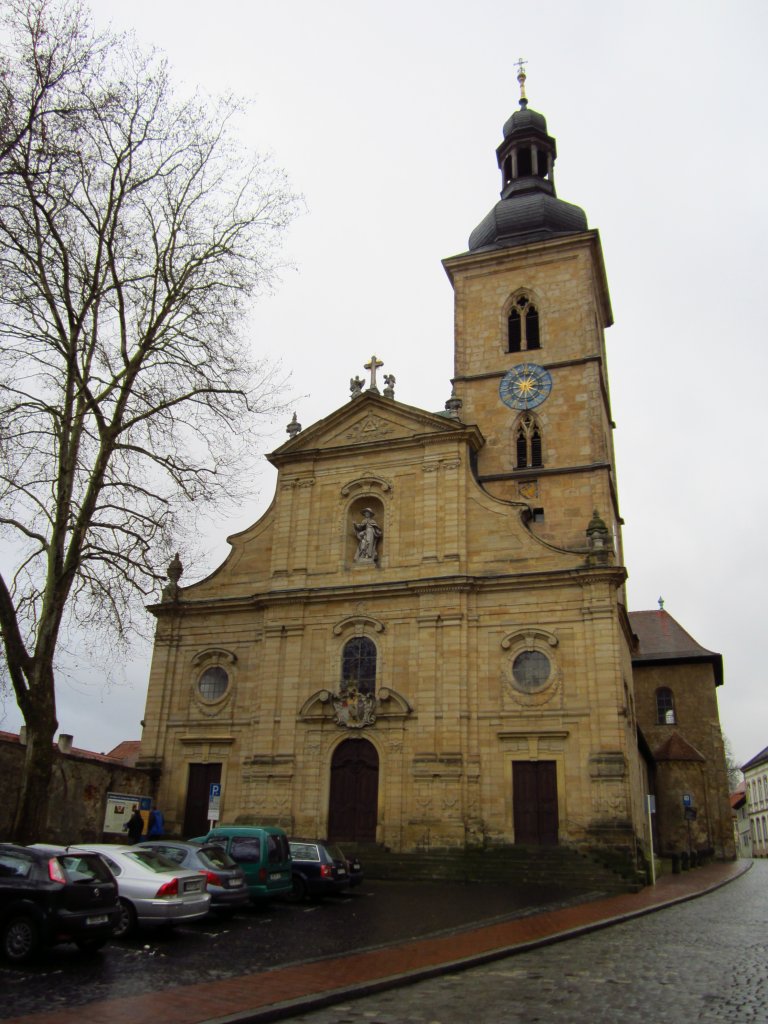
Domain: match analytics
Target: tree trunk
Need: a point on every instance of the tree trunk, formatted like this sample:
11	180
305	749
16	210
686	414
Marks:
31	821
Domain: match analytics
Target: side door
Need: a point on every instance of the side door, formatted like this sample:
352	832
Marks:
199	781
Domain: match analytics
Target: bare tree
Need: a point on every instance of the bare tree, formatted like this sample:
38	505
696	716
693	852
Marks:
133	234
733	771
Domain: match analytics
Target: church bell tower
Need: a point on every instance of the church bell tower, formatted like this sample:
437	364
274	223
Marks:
531	308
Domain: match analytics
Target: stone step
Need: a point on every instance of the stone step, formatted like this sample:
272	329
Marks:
512	864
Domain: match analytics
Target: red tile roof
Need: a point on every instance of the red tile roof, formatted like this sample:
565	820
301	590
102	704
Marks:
91	755
126	752
660	638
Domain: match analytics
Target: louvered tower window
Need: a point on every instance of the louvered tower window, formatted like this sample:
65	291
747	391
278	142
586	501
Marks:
523	326
528	451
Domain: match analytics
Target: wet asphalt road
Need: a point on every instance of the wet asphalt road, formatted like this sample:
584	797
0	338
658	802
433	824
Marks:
377	913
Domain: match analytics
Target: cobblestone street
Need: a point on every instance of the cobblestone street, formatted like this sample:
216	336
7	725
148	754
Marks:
701	961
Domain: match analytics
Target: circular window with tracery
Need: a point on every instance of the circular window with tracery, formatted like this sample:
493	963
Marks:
531	671
213	683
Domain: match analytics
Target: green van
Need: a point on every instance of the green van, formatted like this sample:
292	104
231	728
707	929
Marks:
263	854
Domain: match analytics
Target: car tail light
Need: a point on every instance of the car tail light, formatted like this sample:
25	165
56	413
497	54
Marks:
212	878
55	871
262	874
168	889
326	871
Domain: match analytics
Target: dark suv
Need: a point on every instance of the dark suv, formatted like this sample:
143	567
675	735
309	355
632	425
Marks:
50	895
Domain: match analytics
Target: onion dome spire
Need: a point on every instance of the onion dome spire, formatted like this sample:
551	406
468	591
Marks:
529	210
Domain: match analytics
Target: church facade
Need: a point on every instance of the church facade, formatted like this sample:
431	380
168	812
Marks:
424	641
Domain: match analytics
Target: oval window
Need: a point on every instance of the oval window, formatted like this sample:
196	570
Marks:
531	671
213	683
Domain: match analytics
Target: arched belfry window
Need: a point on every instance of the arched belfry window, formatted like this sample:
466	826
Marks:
528	449
523	326
358	665
665	706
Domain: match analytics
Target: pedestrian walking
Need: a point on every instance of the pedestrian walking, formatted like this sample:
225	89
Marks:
135	825
156	826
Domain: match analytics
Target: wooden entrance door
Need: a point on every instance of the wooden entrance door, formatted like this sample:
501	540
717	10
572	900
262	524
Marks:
535	802
198	787
354	798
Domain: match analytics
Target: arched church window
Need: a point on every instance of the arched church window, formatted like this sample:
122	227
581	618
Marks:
358	665
523	326
665	706
528	451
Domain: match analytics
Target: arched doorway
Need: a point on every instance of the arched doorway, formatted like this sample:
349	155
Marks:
353	803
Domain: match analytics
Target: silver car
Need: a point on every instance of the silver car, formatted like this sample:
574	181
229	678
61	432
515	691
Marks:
152	890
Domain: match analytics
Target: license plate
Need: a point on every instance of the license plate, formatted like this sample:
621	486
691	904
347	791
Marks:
342	871
193	886
235	883
275	876
99	919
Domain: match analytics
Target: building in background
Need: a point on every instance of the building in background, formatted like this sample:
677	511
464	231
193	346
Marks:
741	823
756	783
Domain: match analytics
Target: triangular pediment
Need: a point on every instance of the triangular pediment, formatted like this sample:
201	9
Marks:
371	420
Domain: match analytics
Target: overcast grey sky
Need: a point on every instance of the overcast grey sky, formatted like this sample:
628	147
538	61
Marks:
386	117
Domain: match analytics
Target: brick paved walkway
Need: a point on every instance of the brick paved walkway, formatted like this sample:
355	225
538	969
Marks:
283	992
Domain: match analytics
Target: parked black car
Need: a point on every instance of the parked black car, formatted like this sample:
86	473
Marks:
226	879
318	869
50	894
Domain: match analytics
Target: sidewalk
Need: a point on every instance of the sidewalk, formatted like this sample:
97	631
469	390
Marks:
282	993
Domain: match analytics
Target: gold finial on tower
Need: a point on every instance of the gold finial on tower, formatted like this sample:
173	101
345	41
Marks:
520	65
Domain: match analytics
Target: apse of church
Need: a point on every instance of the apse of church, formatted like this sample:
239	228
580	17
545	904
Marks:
423	641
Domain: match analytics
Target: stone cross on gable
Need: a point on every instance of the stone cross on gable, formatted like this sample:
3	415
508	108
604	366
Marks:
373	366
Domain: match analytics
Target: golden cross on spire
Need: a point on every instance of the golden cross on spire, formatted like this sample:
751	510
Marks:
373	366
520	65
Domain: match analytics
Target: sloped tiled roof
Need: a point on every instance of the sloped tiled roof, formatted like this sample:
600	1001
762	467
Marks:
756	760
661	638
677	749
91	755
126	752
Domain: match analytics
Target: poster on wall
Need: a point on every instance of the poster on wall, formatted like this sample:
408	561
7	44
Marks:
119	810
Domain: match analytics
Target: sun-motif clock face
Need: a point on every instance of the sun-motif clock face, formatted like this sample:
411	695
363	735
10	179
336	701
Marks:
525	386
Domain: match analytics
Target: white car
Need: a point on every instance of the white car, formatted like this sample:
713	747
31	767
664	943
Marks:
152	889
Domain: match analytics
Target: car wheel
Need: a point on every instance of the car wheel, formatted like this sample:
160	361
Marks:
298	891
90	945
127	920
21	938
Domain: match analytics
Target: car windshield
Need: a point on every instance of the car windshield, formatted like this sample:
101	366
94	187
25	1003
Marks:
336	853
216	857
246	849
151	860
15	864
304	851
84	868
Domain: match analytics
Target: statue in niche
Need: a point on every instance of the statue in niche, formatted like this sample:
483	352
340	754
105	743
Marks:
368	534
